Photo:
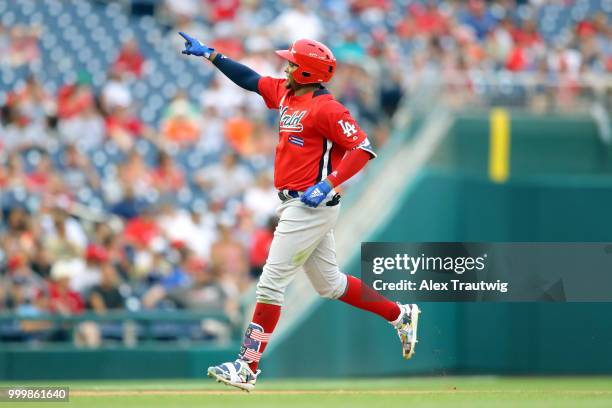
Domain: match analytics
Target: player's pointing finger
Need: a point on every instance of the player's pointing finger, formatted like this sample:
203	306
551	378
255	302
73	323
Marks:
185	36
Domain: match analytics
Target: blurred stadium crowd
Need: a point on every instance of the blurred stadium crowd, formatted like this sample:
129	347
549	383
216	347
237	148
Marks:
134	178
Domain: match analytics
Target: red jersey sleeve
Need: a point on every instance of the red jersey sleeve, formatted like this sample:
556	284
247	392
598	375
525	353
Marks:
337	124
272	91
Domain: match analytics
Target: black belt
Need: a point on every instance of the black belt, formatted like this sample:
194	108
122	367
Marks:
285	195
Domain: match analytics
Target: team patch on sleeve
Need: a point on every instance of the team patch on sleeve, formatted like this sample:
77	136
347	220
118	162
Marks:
298	141
348	129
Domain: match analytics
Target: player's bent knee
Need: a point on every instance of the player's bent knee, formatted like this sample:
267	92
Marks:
327	293
333	290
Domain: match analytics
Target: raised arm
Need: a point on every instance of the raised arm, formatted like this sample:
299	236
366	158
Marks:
238	73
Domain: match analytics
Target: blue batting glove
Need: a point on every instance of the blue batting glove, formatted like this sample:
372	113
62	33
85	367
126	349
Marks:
195	47
313	196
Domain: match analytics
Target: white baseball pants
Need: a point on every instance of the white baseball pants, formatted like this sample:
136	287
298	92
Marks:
303	238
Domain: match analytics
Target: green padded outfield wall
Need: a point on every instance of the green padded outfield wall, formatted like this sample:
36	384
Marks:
555	145
67	362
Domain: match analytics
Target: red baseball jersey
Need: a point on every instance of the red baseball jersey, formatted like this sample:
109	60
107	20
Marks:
315	131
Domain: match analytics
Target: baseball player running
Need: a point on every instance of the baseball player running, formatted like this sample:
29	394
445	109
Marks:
319	147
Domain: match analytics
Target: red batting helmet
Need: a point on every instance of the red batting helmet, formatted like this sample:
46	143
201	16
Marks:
315	61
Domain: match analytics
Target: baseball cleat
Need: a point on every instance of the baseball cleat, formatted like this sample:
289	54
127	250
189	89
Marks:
406	326
237	374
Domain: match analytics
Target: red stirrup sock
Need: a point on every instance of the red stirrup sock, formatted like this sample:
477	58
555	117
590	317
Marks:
362	296
258	333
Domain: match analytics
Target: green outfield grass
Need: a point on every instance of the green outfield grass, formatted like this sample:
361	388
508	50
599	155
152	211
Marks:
490	392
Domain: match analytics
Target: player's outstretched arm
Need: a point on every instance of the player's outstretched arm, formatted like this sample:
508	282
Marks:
238	73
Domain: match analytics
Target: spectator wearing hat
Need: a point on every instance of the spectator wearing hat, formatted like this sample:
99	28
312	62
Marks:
63	300
73	99
116	92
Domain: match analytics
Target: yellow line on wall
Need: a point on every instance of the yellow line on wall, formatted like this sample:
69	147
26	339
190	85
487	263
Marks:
499	145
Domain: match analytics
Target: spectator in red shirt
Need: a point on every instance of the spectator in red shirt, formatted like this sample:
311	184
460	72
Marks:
167	177
585	28
74	99
65	301
38	180
262	239
142	230
62	299
406	28
130	61
123	127
428	19
361	6
517	59
227	40
527	35
221	10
